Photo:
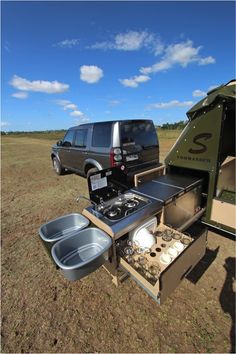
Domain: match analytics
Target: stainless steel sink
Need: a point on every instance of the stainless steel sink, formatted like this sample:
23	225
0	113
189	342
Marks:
62	227
82	253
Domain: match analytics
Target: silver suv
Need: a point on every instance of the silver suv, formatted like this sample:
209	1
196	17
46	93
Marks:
131	145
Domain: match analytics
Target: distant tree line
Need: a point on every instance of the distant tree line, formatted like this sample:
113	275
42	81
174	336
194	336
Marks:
174	126
171	126
33	132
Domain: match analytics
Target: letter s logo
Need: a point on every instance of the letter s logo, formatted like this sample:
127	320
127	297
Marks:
203	148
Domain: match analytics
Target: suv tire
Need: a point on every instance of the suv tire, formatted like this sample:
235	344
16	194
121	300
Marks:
59	170
91	170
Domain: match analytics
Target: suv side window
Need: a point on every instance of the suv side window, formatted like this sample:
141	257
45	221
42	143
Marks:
101	135
68	138
81	138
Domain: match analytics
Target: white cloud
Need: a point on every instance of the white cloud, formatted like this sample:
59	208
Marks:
207	60
38	85
170	104
132	40
134	81
5	124
70	106
199	93
181	54
67	43
90	73
76	113
20	95
62	102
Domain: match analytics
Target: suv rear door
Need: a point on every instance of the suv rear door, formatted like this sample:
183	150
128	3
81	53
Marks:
139	143
101	143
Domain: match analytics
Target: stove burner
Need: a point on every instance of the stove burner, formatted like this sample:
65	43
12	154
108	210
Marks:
113	212
131	203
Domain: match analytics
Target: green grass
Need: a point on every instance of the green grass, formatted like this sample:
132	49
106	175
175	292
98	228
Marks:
55	135
168	133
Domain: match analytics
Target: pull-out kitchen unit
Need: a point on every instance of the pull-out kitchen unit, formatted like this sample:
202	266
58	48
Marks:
154	231
165	209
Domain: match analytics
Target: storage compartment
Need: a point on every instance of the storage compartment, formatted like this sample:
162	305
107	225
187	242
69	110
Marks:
169	260
224	212
60	228
82	253
183	208
148	175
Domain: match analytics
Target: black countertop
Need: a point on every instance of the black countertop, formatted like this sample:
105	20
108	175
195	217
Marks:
179	181
158	191
167	187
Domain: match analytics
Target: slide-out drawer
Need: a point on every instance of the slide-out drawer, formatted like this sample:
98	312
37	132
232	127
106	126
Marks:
171	275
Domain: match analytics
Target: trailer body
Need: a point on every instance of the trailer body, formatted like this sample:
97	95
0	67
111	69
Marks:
206	148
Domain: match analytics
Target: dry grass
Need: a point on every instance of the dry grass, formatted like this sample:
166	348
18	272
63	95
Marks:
42	312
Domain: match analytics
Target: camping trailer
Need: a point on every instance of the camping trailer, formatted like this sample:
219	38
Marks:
206	148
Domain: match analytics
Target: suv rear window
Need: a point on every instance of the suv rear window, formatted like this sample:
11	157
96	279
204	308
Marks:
101	135
142	133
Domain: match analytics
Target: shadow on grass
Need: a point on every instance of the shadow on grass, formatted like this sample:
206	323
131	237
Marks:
67	172
203	265
227	297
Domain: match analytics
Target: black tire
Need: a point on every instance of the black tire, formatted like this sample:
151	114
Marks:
91	170
59	170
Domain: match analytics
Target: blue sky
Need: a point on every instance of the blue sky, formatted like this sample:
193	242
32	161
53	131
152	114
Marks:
65	63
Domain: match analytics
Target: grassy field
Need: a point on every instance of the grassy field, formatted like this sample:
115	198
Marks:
58	135
166	138
43	312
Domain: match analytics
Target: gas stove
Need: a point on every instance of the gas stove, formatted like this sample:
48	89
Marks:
121	206
115	208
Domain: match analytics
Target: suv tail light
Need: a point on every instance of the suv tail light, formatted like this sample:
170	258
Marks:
115	157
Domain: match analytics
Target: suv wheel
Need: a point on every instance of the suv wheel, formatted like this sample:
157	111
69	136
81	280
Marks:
57	166
91	170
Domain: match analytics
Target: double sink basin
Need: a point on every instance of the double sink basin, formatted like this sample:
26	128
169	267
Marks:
75	248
